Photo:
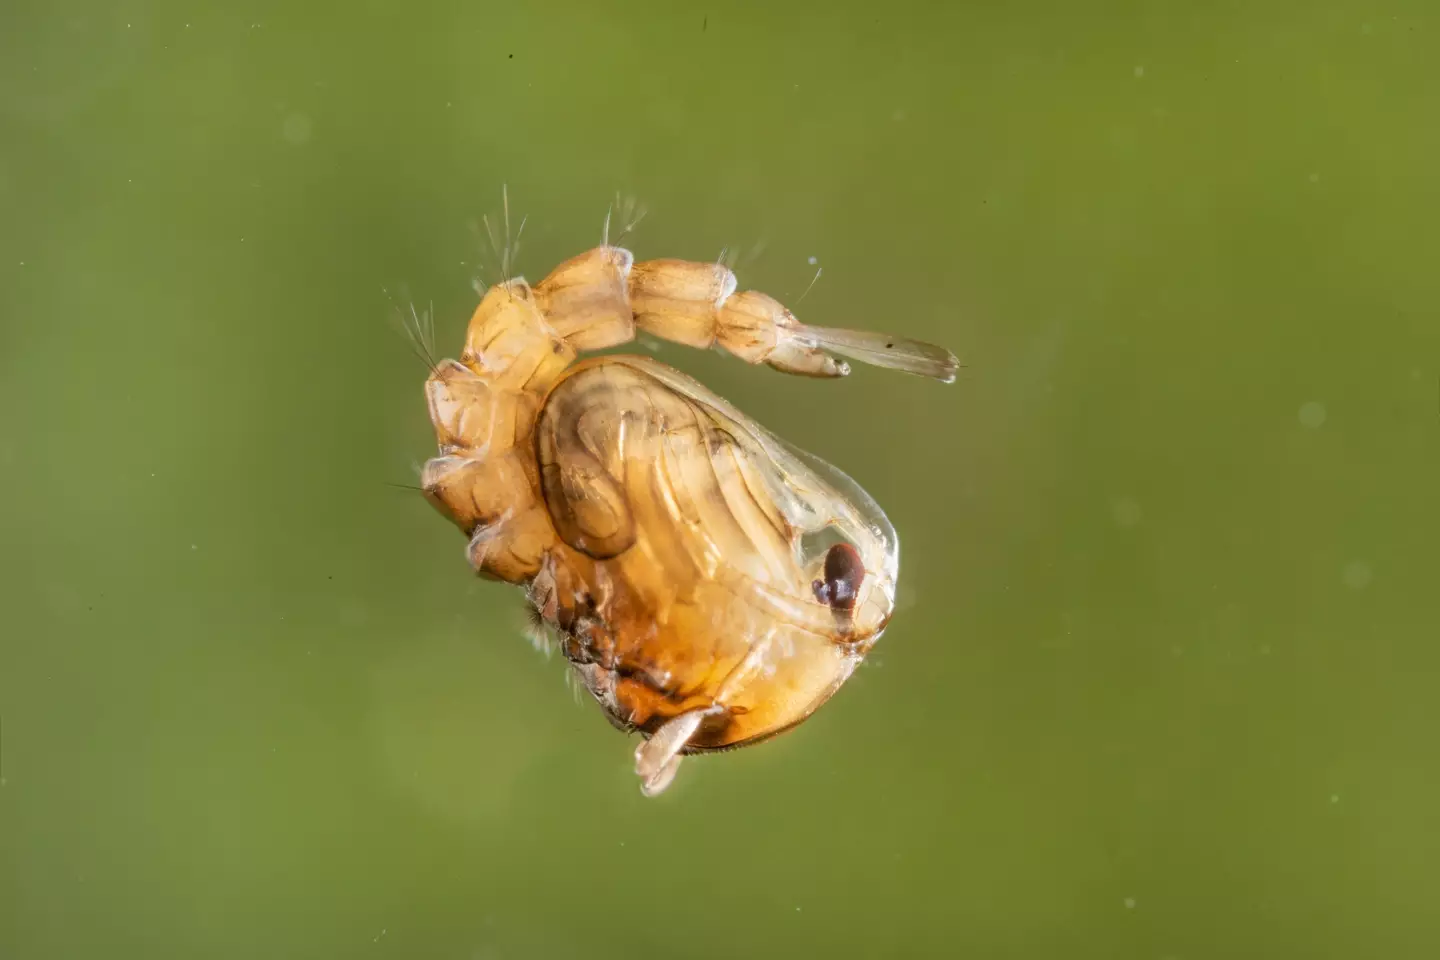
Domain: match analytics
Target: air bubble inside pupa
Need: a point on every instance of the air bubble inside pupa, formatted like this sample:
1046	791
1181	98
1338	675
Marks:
842	513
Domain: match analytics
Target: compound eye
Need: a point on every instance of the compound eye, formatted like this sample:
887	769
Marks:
844	572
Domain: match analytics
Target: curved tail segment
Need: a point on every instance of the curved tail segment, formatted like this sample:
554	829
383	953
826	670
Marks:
602	297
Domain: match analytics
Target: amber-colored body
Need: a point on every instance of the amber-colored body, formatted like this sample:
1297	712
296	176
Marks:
711	585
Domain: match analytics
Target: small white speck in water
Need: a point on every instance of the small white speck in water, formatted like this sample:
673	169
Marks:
1127	512
1357	575
296	129
813	260
1129	903
1312	414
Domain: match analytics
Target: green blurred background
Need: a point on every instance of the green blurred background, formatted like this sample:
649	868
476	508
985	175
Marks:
1163	679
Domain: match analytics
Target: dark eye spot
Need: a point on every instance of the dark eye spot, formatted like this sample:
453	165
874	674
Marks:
844	572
